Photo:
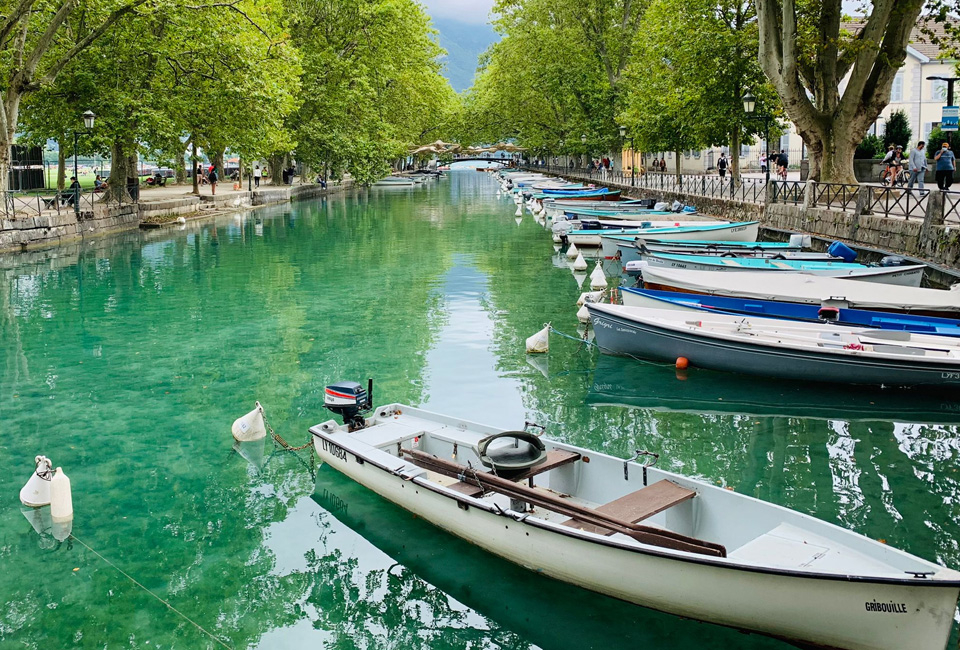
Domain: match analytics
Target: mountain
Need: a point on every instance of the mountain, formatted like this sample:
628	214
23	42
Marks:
464	42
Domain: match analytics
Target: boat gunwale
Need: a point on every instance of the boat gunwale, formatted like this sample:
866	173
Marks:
724	563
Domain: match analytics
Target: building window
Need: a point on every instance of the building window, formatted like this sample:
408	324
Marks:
938	89
696	154
896	91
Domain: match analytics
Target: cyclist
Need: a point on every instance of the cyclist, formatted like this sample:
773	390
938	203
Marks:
894	163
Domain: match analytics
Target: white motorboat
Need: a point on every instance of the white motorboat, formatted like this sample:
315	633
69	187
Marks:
397	181
808	289
736	231
639	533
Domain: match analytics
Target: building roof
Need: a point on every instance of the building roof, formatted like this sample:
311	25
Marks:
925	37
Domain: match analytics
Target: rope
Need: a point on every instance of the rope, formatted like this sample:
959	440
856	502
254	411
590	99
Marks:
585	342
169	606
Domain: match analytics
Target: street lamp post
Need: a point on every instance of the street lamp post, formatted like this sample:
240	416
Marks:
583	141
564	155
633	156
749	107
88	118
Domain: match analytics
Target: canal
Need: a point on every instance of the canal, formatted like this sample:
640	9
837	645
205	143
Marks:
127	359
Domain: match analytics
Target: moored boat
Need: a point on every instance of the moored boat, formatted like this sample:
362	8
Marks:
642	534
689	302
746	230
779	348
909	276
808	289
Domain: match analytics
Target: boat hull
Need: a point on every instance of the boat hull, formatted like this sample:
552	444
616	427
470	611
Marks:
722	232
828	613
617	334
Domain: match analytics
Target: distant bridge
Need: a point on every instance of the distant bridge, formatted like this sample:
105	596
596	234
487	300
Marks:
502	161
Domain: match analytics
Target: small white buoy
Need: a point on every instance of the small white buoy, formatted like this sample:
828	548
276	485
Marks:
251	426
519	210
36	492
539	342
573	251
597	279
556	239
181	220
589	296
580	264
61	497
583	314
519	220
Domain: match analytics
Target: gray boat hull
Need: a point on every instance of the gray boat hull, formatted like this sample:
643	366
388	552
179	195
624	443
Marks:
622	336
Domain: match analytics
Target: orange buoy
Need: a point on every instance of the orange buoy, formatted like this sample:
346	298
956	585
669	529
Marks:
682	363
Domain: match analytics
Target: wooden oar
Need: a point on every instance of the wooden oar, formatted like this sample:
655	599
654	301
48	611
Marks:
644	534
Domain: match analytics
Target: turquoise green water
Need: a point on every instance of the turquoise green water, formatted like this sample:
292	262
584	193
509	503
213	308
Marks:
127	359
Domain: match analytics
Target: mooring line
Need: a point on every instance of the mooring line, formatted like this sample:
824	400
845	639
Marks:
134	581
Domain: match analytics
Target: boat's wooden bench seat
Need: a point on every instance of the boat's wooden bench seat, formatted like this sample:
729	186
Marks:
555	458
639	505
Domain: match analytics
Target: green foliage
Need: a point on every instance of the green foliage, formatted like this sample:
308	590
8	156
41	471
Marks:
870	147
371	85
897	130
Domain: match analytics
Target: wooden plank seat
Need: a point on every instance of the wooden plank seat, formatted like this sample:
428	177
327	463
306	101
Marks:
493	483
637	506
555	458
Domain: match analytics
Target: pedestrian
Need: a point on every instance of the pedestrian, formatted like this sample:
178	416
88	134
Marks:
946	164
213	178
918	165
763	163
257	174
663	165
722	165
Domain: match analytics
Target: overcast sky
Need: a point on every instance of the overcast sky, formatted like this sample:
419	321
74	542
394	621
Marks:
468	11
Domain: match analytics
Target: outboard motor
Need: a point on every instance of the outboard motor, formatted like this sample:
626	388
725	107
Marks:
893	260
349	400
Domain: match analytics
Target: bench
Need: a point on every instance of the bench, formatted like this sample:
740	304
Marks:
555	458
639	505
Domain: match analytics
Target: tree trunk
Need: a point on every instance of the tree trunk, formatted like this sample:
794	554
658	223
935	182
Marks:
735	155
180	166
217	160
677	154
124	183
831	154
195	162
276	168
61	166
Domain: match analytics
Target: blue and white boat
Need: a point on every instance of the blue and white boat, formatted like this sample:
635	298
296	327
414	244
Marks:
628	248
743	230
909	276
636	297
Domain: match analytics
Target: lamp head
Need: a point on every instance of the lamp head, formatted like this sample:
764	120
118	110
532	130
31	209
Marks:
583	139
88	118
623	131
749	103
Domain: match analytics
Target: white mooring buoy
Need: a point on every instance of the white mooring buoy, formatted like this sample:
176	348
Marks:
597	279
36	492
572	252
583	314
61	497
251	426
519	212
589	296
539	342
579	264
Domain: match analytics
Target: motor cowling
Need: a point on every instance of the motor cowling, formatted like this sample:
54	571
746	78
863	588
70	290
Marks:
349	400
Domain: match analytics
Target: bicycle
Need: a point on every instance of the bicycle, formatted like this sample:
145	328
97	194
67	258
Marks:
782	173
894	179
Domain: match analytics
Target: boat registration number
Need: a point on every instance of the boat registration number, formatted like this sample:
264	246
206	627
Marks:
950	375
334	450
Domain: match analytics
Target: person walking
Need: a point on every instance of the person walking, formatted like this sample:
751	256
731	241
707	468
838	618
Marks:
257	174
918	165
663	165
213	178
946	164
722	165
763	163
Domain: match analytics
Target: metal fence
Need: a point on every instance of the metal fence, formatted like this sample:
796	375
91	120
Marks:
891	201
787	191
833	196
19	205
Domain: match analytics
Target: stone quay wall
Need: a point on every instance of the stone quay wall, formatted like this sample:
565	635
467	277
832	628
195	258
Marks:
51	228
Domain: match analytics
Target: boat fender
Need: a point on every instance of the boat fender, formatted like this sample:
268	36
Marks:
539	342
36	492
682	363
572	252
580	264
61	497
589	296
